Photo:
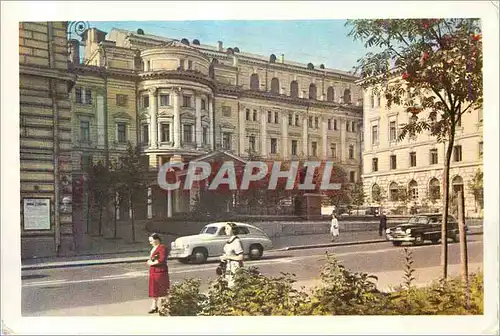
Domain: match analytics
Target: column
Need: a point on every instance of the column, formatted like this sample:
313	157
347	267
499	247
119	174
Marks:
150	203
211	130
284	133
153	123
343	142
242	131
177	119
325	136
198	130
263	134
305	135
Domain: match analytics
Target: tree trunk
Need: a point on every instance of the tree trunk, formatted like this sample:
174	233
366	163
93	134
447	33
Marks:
463	246
100	219
446	196
132	219
115	221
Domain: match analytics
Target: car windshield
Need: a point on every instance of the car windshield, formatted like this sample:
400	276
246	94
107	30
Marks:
418	220
209	230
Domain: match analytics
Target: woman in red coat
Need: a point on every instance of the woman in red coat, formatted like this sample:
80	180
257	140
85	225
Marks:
159	282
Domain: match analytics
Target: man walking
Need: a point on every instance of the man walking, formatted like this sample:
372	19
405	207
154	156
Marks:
383	224
334	227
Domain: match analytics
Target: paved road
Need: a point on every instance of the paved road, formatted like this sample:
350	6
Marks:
122	289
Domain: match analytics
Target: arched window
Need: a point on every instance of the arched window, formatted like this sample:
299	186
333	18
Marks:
272	58
376	193
254	82
457	183
312	92
330	94
185	41
347	96
211	71
310	66
322	66
434	189
413	190
394	192
275	86
294	89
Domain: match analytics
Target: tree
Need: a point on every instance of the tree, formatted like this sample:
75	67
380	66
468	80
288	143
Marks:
342	195
378	195
439	62
358	195
99	186
476	189
132	171
117	192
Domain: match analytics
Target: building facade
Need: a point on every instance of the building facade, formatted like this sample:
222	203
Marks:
180	100
415	165
45	139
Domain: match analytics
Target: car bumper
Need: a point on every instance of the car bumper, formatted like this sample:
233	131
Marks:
400	238
178	253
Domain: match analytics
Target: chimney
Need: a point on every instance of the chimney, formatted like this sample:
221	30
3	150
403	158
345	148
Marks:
282	59
235	61
74	51
219	45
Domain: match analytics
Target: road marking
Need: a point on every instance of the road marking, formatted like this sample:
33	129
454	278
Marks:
201	268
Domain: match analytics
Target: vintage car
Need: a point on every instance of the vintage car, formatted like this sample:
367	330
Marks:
420	228
211	240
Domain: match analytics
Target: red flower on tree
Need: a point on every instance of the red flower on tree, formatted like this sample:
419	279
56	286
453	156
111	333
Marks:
406	75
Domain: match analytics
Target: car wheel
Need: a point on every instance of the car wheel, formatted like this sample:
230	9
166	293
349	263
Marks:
183	260
419	240
256	251
200	255
397	243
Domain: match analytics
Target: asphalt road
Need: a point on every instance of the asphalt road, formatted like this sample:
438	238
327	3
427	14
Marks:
122	289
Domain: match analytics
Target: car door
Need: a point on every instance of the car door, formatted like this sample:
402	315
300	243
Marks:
244	234
216	246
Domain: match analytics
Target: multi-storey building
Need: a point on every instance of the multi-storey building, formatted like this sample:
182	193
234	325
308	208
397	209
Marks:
415	164
45	138
182	99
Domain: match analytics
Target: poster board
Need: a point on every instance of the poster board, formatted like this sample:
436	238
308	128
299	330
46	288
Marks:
36	214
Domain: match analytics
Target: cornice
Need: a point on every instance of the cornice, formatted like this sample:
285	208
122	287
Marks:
46	72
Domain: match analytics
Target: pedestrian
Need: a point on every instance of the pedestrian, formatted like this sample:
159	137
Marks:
334	227
159	281
233	254
383	224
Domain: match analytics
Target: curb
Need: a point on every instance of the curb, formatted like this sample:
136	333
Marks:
304	247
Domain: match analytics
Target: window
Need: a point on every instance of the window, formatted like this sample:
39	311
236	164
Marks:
481	150
247	114
335	124
413	159
374	134
186	101
165	132
88	96
393	162
413	189
312	92
457	153
329	124
251	143
145	101
347	126
121	100
294	89
269	117
310	122
254	115
290	119
351	152
294	147
392	131
393	192
378	101
240	230
226	111
434	189
353	127
275	86
276	117
352	176
330	94
145	134
226	141
433	156
375	164
333	147
347	96
190	65
316	122
164	100
297	120
314	146
254	82
78	95
205	135
274	145
86	162
203	104
372	101
122	132
188	134
84	131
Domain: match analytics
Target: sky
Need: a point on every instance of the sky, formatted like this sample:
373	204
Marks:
315	41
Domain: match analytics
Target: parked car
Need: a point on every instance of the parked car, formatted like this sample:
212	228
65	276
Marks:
212	238
420	228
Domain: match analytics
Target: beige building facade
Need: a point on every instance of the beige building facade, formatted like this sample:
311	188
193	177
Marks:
416	164
180	100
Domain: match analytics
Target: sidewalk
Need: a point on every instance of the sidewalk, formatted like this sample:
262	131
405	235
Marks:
387	281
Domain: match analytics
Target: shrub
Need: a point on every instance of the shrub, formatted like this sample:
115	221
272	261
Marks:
184	299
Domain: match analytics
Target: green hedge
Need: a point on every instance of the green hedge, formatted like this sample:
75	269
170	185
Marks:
342	292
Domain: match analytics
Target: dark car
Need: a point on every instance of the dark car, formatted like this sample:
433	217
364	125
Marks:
420	228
